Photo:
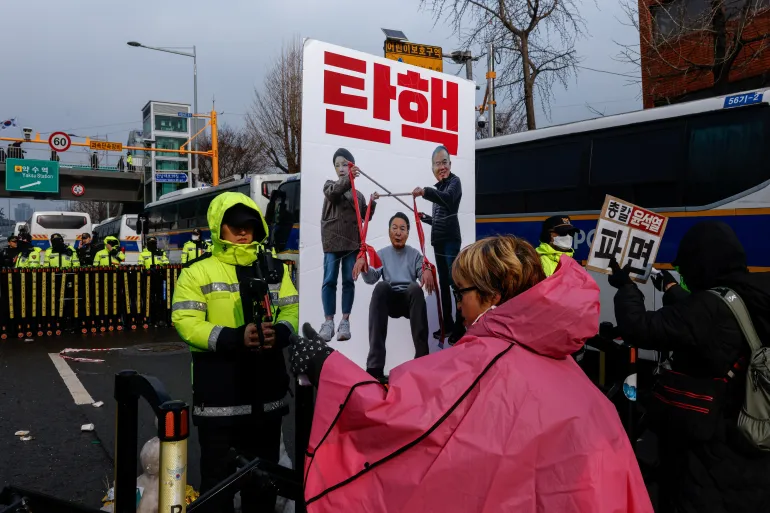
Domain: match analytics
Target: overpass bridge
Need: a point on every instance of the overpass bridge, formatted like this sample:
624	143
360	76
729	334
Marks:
104	184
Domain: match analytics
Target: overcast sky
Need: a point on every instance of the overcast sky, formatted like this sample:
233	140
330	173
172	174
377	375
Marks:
67	65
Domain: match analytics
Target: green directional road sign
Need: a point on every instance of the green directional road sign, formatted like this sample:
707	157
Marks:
23	175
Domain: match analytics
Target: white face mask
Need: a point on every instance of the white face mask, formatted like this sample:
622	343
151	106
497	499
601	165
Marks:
195	237
564	242
482	314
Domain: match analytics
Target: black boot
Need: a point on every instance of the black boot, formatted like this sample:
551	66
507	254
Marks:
379	375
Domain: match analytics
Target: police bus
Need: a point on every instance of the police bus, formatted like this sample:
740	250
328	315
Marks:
173	216
705	159
69	224
124	229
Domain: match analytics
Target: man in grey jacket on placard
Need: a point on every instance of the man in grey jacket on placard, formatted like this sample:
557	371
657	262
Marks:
399	294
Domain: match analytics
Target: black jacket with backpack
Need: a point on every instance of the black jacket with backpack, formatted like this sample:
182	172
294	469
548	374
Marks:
724	473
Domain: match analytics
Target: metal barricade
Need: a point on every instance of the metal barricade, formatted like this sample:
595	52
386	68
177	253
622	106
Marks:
50	301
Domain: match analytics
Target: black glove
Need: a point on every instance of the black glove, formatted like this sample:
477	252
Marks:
308	353
662	280
619	277
114	252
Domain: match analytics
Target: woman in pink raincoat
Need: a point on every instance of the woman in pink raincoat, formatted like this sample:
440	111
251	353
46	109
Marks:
505	421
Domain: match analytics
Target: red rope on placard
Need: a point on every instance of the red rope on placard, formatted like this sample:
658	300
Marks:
365	251
428	266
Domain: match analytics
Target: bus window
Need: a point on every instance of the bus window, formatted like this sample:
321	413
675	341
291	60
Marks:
131	222
726	157
187	213
292	200
203	207
170	216
531	179
640	166
61	222
283	212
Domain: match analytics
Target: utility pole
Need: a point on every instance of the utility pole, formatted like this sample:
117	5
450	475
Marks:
491	75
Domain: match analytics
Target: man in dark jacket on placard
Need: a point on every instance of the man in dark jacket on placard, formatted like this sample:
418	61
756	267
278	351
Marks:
723	474
445	236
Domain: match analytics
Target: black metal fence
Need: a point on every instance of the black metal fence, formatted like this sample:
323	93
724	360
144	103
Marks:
48	302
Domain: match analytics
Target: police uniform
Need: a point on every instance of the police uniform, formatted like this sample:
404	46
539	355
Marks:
60	255
149	257
238	393
105	257
86	252
29	255
550	255
194	249
8	255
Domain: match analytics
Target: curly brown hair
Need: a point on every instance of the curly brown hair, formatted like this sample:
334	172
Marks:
503	264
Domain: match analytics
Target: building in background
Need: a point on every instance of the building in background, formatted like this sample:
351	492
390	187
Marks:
164	128
694	49
22	212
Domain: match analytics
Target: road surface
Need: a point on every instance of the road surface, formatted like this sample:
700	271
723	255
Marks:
39	392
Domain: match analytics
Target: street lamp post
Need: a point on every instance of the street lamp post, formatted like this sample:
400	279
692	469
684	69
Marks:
195	80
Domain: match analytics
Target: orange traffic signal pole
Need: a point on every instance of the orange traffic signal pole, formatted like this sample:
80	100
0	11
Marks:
213	153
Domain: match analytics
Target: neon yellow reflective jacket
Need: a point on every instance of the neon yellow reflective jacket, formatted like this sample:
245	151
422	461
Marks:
147	258
208	314
191	251
30	260
207	295
61	260
549	257
102	258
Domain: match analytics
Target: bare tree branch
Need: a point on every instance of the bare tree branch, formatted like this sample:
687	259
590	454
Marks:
676	40
97	210
534	42
239	154
275	119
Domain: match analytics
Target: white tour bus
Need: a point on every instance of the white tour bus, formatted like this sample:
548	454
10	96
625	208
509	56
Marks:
69	224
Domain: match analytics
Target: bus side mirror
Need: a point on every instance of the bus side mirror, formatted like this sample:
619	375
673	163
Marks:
270	214
142	226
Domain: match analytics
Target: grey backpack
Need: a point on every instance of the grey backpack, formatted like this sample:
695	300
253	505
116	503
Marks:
754	418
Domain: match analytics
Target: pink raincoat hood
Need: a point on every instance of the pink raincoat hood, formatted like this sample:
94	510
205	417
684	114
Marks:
554	318
504	421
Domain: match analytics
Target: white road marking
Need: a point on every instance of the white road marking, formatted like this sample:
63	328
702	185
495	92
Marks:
76	388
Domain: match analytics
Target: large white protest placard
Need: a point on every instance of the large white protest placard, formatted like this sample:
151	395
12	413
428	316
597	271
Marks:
629	234
390	118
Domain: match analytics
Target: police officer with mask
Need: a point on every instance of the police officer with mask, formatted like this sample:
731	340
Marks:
60	254
194	248
111	255
29	256
556	239
152	255
8	255
239	373
86	250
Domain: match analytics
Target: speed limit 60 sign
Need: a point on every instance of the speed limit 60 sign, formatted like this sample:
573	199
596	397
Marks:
59	141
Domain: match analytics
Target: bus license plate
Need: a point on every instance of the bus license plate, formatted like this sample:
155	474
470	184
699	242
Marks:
740	100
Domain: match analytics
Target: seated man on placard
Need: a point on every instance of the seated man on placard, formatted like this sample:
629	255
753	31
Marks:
399	294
